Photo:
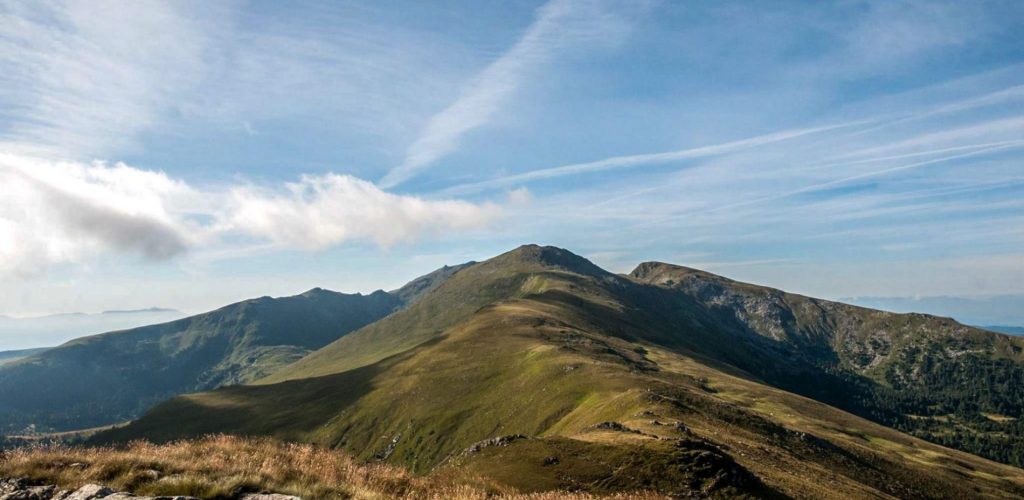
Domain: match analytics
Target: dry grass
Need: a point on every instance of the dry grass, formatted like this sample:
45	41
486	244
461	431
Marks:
223	467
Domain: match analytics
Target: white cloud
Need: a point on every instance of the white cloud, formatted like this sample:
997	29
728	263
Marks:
558	25
320	211
64	213
520	196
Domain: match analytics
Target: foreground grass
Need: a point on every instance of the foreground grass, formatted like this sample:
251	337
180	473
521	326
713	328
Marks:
224	467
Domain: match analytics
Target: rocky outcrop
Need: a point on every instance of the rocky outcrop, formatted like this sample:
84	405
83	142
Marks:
497	441
22	489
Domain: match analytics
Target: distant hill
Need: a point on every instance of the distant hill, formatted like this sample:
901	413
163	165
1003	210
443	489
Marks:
993	310
1009	330
11	356
141	311
54	329
539	370
113	377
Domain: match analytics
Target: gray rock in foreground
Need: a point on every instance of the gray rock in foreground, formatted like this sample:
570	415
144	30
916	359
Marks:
21	489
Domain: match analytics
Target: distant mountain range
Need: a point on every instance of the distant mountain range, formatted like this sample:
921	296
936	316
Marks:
994	310
539	370
1009	330
50	330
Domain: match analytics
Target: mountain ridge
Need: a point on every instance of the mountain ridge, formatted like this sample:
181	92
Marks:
539	342
113	376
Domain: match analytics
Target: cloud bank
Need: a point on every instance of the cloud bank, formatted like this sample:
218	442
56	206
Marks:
56	213
321	211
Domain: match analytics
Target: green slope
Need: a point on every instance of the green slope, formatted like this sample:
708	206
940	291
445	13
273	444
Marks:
113	377
662	379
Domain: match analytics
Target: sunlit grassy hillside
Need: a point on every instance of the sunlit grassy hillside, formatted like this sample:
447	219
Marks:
591	381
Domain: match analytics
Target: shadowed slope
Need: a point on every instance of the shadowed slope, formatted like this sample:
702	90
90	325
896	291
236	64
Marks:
947	382
112	377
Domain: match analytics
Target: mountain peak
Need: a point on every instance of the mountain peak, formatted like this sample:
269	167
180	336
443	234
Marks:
660	272
550	256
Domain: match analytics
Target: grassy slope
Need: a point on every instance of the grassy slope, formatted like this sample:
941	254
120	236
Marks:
114	376
224	467
927	375
541	343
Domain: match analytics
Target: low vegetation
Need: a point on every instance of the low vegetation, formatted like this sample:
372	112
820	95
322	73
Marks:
225	467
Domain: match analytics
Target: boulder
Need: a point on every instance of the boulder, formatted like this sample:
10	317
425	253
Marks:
90	492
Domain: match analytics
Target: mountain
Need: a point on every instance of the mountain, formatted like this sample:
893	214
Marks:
54	329
12	356
418	287
990	310
539	370
1009	330
140	311
113	377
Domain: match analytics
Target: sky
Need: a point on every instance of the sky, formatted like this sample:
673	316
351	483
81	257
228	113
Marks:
190	154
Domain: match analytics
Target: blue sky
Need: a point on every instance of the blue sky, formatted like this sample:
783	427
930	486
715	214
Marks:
189	154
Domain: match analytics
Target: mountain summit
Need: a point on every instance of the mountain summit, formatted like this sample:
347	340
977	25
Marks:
539	370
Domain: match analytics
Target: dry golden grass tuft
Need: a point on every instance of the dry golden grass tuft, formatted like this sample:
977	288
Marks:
224	467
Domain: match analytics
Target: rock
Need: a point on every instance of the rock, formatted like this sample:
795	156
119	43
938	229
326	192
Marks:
681	427
12	485
21	489
386	453
498	441
615	426
269	496
549	461
90	492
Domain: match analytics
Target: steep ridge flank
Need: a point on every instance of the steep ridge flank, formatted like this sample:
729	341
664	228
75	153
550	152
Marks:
927	375
413	290
112	377
538	369
506	276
